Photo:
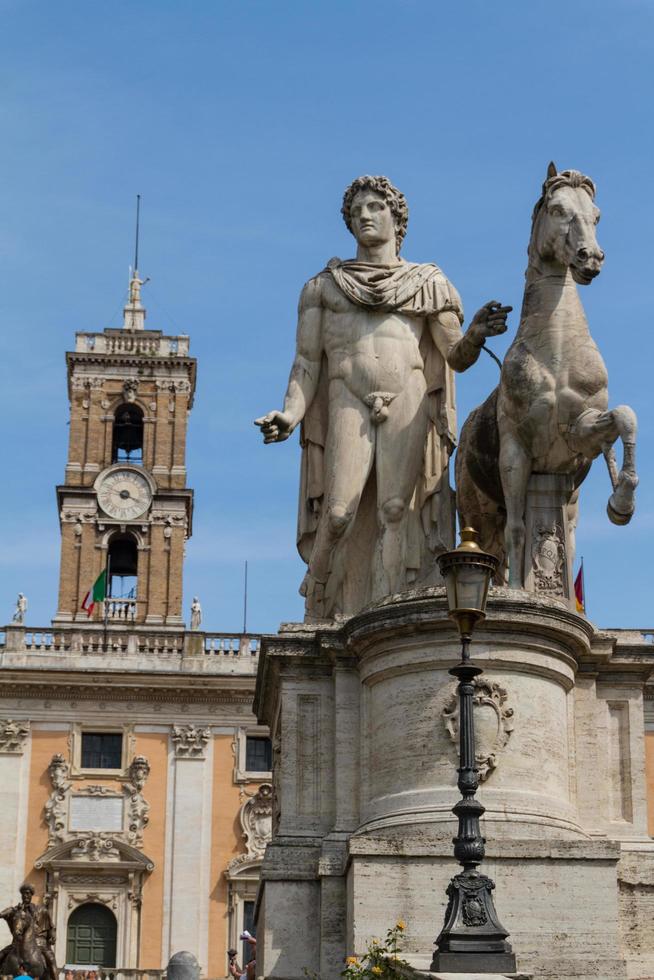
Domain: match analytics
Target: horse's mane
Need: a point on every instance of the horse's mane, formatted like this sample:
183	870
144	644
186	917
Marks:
567	178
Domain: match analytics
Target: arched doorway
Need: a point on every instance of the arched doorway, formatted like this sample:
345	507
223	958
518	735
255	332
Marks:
91	937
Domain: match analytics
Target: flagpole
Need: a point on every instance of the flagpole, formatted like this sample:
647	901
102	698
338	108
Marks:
245	600
106	596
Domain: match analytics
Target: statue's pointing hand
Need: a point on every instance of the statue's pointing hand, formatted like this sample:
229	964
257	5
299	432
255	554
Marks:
275	426
489	321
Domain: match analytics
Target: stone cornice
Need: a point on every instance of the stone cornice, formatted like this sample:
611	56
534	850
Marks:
169	689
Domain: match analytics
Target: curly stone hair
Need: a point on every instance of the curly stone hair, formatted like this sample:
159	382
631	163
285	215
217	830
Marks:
393	197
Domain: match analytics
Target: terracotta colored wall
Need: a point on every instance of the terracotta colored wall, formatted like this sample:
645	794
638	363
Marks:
44	746
649	776
154	747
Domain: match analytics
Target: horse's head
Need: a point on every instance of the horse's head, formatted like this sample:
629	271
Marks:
564	223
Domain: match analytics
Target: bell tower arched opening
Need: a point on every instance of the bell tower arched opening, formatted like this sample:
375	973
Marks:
122	577
127	437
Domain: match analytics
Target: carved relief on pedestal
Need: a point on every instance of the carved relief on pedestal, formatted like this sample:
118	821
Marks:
13	736
548	559
493	722
256	824
190	741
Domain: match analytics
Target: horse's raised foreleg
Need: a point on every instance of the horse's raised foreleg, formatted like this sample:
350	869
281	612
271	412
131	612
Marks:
515	469
595	432
622	502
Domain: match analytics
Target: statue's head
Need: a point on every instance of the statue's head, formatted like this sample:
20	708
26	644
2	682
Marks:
26	892
373	209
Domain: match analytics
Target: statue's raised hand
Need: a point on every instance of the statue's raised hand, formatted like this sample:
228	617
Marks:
275	426
489	321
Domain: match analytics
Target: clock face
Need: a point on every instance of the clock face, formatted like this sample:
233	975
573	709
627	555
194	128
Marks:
124	494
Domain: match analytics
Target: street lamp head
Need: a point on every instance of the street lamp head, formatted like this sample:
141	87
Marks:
467	572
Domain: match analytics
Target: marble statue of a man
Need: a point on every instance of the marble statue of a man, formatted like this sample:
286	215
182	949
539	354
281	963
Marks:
372	385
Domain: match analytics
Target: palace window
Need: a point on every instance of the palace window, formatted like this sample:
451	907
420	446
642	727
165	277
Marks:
258	754
127	444
102	750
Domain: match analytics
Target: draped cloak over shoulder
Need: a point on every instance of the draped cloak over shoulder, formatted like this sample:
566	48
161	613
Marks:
418	290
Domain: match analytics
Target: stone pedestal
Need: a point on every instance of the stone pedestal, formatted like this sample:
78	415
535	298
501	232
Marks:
548	547
364	725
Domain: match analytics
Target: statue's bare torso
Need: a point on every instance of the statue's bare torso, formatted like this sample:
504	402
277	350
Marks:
365	437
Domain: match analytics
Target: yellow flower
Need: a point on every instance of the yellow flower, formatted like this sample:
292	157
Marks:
401	925
352	960
377	970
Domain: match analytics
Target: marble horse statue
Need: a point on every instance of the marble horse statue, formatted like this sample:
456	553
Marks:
549	413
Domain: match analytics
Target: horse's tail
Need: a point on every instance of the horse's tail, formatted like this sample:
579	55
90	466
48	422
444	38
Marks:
479	496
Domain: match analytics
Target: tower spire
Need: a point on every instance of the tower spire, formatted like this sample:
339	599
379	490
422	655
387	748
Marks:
134	312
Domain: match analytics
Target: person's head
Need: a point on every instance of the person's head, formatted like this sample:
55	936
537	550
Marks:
92	975
375	211
26	893
25	970
68	975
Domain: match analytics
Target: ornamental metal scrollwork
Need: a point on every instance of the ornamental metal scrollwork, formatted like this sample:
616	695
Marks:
487	694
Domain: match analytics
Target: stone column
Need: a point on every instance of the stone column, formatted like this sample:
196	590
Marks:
189	886
15	745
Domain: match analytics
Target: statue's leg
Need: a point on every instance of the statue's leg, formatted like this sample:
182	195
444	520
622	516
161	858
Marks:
515	470
348	460
400	451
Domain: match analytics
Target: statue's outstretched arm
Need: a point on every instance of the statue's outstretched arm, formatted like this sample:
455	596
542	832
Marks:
305	372
459	349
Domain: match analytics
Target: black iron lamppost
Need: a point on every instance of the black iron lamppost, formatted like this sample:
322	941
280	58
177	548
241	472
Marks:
472	939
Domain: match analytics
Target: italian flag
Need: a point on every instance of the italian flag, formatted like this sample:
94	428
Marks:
96	593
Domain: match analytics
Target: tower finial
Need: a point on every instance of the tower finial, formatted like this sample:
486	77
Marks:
134	312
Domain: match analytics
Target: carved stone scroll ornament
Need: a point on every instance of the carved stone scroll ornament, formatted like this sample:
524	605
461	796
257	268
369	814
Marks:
256	818
13	735
138	808
493	721
190	741
256	821
56	807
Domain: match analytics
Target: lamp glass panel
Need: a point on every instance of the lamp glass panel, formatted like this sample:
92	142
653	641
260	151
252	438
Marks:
450	588
471	586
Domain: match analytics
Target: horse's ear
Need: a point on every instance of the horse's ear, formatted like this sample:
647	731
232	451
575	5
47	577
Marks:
551	170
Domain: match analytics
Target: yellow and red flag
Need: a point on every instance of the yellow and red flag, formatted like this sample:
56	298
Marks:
580	597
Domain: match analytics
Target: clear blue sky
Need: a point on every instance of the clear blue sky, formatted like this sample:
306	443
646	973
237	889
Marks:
240	124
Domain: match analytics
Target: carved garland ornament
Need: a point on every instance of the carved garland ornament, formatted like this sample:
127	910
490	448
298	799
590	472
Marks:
487	694
13	735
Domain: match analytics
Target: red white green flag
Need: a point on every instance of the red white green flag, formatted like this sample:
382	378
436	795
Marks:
96	593
580	597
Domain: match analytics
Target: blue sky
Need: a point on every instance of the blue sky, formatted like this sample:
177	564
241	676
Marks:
240	124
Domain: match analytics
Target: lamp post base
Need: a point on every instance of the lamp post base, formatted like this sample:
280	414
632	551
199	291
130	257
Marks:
473	939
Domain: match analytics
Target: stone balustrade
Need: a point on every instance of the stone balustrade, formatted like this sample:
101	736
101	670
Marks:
143	342
120	640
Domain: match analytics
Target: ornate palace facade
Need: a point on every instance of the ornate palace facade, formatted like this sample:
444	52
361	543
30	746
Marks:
137	794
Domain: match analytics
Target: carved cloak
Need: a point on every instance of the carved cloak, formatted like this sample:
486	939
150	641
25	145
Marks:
413	289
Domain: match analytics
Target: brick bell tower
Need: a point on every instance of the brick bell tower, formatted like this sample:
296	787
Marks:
125	506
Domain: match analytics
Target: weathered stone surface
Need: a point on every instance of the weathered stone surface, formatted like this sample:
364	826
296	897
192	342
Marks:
372	387
565	822
183	966
549	415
